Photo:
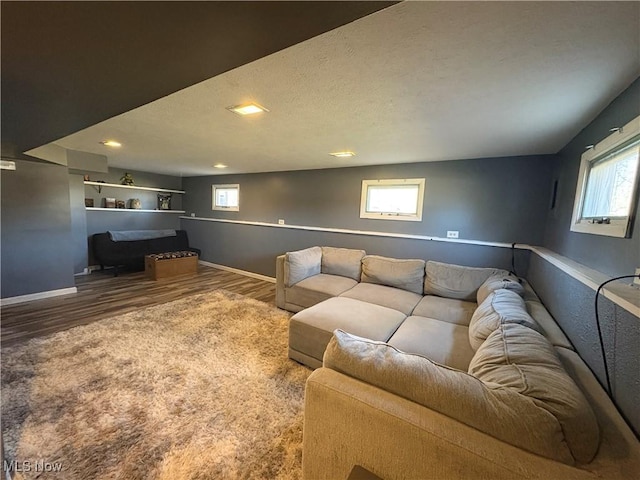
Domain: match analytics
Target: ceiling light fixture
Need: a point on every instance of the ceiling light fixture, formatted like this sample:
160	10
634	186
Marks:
247	109
219	165
342	154
111	143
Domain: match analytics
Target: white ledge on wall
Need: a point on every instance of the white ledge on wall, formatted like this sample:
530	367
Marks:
132	210
622	294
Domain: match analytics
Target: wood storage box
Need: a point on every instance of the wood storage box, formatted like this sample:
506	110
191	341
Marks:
170	267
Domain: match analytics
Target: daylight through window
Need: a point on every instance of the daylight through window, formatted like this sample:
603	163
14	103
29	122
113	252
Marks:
397	199
226	197
607	184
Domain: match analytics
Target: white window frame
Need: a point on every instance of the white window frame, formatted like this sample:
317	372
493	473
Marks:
214	196
417	217
618	226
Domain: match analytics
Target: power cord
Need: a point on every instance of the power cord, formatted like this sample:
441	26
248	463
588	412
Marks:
604	357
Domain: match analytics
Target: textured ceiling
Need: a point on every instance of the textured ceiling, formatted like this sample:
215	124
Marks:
418	81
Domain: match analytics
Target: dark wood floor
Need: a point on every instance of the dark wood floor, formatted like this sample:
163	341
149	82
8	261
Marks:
101	295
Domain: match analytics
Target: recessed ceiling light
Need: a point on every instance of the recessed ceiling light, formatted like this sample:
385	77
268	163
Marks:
219	165
343	154
111	143
247	109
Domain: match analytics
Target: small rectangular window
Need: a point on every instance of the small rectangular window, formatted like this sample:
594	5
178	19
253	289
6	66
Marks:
226	197
393	199
607	183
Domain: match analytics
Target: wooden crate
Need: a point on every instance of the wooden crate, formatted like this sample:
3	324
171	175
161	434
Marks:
170	267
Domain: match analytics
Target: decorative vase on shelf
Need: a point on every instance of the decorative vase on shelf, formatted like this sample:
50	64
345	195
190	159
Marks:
135	203
127	179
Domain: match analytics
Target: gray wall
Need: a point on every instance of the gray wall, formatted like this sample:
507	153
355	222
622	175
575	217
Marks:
101	221
498	200
36	229
572	303
78	223
613	256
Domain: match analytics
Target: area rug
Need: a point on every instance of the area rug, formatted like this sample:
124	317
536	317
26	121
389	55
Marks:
199	388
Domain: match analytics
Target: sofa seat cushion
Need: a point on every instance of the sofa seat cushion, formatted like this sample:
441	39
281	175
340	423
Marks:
445	309
512	415
456	281
389	297
318	288
310	330
346	262
394	272
442	342
519	359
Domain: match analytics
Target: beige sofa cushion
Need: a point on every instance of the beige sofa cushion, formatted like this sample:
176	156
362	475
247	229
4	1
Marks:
345	262
442	342
389	297
499	411
393	272
501	306
499	282
317	288
456	281
445	309
523	360
301	264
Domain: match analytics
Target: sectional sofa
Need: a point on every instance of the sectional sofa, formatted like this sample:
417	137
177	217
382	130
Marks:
431	370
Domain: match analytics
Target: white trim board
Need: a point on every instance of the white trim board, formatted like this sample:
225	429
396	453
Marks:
370	233
37	296
620	293
238	271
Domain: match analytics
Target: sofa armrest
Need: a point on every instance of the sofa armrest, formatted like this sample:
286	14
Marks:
280	298
349	422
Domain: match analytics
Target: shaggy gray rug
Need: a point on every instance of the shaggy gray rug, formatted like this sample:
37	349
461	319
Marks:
199	388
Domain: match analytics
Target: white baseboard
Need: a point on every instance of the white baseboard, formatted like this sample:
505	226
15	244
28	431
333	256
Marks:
37	296
240	272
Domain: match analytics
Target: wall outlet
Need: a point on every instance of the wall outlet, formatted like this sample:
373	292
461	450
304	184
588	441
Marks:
452	233
636	281
280	221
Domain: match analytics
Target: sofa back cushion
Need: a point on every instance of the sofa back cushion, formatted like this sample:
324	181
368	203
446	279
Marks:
346	262
511	415
301	264
394	272
522	360
499	282
501	306
456	281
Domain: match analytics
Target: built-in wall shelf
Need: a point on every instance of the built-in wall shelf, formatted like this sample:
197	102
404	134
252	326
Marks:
132	210
131	187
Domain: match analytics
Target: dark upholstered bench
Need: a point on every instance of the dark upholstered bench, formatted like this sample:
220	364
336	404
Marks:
130	254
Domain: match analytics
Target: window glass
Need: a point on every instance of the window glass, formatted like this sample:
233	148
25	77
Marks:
226	197
392	199
607	184
610	185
